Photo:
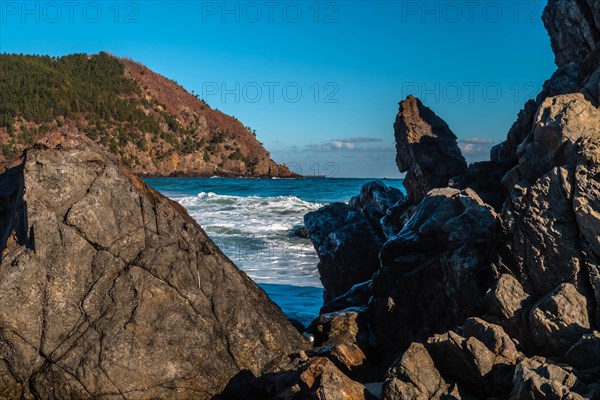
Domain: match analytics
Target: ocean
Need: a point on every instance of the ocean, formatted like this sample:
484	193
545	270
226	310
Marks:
252	221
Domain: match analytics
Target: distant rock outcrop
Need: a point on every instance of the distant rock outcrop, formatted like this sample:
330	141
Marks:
426	149
110	290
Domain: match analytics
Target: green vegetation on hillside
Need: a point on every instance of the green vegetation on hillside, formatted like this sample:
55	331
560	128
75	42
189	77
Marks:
42	88
92	91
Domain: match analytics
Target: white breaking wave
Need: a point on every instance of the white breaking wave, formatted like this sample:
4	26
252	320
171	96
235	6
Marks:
255	233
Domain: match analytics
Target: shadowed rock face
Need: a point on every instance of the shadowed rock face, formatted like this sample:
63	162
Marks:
347	245
108	289
574	29
433	272
426	149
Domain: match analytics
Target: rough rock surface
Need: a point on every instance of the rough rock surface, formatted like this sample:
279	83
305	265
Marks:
347	245
565	80
492	336
585	354
471	363
347	326
433	273
538	378
109	290
574	29
312	378
426	149
374	200
357	296
550	211
414	376
559	320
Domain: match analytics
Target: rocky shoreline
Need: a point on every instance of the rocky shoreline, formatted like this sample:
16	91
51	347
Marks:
482	283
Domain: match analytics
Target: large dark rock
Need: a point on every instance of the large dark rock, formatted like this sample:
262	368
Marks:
347	245
426	149
484	178
110	290
357	296
489	293
435	271
375	199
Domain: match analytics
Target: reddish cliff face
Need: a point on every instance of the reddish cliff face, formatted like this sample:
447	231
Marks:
231	149
152	124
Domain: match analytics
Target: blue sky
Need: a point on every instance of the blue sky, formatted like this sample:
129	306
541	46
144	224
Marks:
320	82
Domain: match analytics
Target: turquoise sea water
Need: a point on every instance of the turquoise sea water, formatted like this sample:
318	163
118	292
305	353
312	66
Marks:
251	221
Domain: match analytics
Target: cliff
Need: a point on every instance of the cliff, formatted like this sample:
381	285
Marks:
150	123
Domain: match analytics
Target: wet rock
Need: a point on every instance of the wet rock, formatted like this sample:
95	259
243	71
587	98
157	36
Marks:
375	199
357	296
426	149
109	289
585	353
347	245
300	232
395	218
559	320
434	271
414	376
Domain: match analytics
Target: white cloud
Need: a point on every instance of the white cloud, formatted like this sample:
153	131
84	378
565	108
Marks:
351	144
476	149
479	141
